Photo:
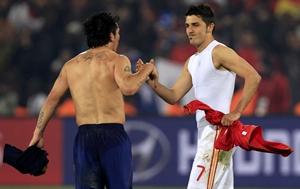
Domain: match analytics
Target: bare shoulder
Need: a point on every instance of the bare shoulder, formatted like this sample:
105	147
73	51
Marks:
187	61
70	62
86	56
122	57
220	51
223	55
78	58
186	64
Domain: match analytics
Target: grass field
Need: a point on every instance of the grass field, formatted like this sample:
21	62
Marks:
71	187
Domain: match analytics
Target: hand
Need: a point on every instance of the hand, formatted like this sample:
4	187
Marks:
38	140
228	119
139	65
154	74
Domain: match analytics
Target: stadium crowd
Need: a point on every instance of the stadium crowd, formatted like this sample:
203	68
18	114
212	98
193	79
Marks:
38	36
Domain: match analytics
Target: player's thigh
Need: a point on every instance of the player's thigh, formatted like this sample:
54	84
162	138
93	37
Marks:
117	165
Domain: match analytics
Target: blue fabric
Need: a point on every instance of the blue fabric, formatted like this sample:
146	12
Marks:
102	157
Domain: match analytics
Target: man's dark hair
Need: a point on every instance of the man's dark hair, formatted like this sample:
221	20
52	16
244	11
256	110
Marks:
98	27
202	10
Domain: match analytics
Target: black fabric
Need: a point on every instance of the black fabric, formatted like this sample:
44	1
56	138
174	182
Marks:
32	161
11	154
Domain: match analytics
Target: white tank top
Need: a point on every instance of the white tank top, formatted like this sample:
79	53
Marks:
212	86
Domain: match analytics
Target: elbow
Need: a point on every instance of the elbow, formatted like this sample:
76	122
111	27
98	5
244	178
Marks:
51	100
129	91
253	79
257	79
172	98
172	101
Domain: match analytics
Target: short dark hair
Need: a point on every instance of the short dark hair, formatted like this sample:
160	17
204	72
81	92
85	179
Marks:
98	27
202	10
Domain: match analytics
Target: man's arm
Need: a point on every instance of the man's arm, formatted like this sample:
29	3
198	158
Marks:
128	82
182	85
58	90
230	60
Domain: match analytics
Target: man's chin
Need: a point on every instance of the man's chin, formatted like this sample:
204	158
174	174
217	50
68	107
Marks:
192	42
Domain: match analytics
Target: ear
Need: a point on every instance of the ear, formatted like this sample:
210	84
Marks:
210	27
112	36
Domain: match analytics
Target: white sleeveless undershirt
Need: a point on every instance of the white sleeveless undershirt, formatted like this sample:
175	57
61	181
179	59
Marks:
212	86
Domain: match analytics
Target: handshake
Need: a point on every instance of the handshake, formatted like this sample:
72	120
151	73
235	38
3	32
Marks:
153	76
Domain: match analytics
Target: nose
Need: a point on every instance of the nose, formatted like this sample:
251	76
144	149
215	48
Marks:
190	30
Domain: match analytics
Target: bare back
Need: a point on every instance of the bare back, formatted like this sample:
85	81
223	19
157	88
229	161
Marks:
92	84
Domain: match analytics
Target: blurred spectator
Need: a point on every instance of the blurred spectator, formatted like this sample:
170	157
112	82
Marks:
4	8
264	25
66	108
181	50
297	109
249	110
6	44
145	36
36	97
291	7
274	95
291	60
20	16
38	36
8	96
248	48
63	56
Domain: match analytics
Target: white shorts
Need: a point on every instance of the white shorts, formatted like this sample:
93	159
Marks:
212	169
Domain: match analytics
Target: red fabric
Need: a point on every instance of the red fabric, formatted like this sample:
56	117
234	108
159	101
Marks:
248	137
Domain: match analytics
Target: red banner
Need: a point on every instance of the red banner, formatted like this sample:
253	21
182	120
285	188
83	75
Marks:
18	132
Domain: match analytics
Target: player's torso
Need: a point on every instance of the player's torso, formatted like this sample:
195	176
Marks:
94	91
211	85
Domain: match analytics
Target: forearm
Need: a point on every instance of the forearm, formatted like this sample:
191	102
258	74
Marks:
136	80
141	76
165	93
250	87
44	117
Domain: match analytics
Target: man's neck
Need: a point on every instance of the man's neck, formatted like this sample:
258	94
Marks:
205	44
108	46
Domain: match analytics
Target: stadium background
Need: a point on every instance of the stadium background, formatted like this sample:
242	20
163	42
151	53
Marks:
38	36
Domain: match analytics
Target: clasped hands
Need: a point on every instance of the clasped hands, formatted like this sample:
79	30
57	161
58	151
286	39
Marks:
153	76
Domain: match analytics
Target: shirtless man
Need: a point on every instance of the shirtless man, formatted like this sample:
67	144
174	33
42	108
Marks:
97	79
